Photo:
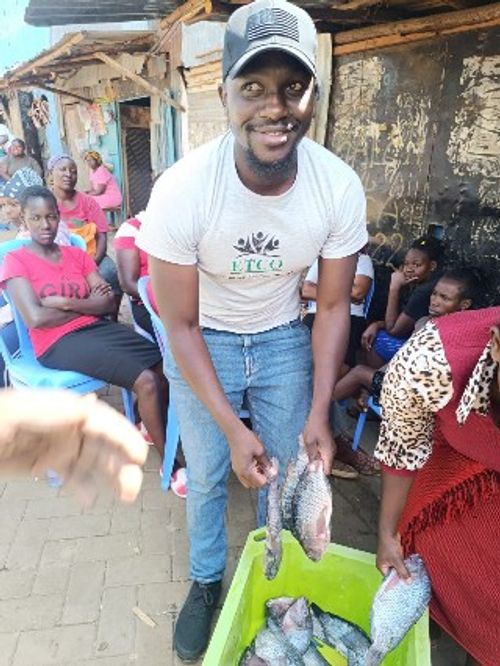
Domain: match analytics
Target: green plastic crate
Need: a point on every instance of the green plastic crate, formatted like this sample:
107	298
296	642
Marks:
343	582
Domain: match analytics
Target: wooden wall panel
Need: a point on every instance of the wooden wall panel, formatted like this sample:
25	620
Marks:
420	125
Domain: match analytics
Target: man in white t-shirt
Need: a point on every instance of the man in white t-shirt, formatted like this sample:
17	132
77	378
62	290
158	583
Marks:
230	230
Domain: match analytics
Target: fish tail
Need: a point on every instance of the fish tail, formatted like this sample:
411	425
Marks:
374	656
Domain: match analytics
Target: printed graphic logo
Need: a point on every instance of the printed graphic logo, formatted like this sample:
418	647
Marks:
258	243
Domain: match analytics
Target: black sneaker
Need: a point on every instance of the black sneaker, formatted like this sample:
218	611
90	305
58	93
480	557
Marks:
192	629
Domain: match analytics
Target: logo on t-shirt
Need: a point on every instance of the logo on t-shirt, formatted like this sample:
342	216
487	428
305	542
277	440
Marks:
257	253
258	243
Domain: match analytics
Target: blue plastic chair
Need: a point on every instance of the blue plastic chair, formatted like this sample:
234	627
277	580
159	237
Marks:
137	327
25	370
172	434
362	421
368	299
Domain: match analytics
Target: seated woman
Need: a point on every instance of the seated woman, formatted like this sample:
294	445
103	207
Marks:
17	159
132	263
105	190
439	447
409	295
63	300
456	290
84	217
363	280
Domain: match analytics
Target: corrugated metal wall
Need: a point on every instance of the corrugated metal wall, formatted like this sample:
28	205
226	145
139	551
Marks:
420	124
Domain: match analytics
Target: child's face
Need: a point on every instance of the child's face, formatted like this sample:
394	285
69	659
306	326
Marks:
10	210
447	298
41	217
417	266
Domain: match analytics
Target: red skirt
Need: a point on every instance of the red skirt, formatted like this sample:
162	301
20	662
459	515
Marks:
463	560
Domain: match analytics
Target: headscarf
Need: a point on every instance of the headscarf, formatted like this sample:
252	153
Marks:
57	158
95	155
22	179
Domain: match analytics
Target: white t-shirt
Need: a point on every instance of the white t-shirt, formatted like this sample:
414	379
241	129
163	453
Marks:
251	250
363	267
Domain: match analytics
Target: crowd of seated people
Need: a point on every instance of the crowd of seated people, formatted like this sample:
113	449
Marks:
456	290
78	213
65	303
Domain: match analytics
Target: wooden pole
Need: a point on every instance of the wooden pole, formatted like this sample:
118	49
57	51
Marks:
153	90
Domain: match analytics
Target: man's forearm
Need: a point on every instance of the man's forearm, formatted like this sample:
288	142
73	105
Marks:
330	334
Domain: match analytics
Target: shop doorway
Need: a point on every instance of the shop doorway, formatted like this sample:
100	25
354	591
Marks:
135	123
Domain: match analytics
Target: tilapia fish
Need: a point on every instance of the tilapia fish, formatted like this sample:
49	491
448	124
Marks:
397	606
347	638
312	510
273	648
273	549
292	477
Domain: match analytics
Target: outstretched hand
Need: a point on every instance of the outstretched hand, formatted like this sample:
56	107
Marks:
85	441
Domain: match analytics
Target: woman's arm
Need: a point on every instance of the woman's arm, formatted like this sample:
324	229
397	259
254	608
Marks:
96	190
360	287
396	323
99	302
101	239
34	313
309	291
128	263
395	489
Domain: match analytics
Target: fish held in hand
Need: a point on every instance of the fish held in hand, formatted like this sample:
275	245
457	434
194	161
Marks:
312	510
294	471
397	606
273	548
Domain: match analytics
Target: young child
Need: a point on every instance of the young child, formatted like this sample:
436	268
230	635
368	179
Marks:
458	289
409	294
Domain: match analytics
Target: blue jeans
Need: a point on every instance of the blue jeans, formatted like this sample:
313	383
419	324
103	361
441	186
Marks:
272	371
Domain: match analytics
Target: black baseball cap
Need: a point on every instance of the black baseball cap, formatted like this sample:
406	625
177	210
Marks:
266	25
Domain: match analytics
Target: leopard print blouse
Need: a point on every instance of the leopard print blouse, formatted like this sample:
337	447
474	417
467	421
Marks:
416	385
